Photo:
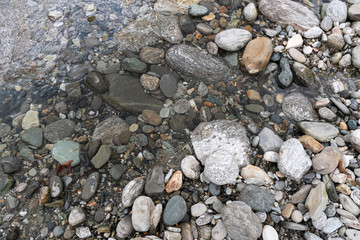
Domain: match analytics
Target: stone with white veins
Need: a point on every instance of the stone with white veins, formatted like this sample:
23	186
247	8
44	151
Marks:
124	228
233	39
313	32
209	137
131	191
77	216
316	201
295	41
141	213
322	132
293	160
250	12
190	167
298	107
337	11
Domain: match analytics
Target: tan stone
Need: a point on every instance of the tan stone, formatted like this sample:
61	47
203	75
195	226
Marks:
44	195
343	188
326	161
255	175
321	103
152	55
30	120
287	211
297	55
311	143
257	55
151	117
149	82
253	95
209	17
175	182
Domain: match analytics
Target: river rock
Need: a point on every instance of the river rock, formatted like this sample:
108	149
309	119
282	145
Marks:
310	143
255	175
250	12
131	191
190	167
257	54
285	77
304	76
10	164
175	182
352	234
297	55
126	93
198	209
155	182
257	198
196	63
335	41
96	82
295	41
90	187
240	221
4	130
65	151
298	107
152	55
133	65
109	128
293	162
356	56
326	161
286	12
331	225
33	137
349	204
337	11
233	39
196	10
313	32
209	137
174	211
102	156
168	85
316	201
30	120
269	233
327	114
326	23
77	216
219	232
56	186
355	139
322	132
59	130
141	213
124	228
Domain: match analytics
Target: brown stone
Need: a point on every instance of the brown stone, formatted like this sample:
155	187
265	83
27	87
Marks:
287	211
321	103
149	82
300	196
152	55
151	117
311	143
44	195
257	55
253	95
326	161
209	17
124	137
94	147
175	182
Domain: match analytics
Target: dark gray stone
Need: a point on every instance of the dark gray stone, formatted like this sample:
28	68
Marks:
174	211
10	164
134	65
117	171
33	137
155	182
285	77
257	198
269	141
59	130
96	82
90	187
186	24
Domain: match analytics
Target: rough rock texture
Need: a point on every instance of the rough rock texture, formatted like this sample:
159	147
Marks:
326	161
109	128
197	64
257	55
209	137
240	221
355	139
316	201
259	199
141	213
304	76
233	39
337	11
322	132
294	162
131	191
59	130
298	107
286	12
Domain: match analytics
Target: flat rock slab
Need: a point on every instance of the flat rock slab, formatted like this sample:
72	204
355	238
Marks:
196	63
64	151
316	201
257	198
286	12
109	128
126	93
298	107
59	130
322	132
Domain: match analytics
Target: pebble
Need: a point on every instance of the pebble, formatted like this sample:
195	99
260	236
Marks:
316	201
59	130
131	191
198	209
313	32
175	182
310	143
30	120
124	228
198	10
349	204
323	132
190	167
326	23
90	187
294	42
297	55
356	56
56	186
250	12
286	76
269	141
77	216
219	232
141	213
326	161
64	151
255	175
337	11
271	156
182	106
174	211
257	198
298	107
269	233
83	232
331	225
168	85
102	156
296	216
232	39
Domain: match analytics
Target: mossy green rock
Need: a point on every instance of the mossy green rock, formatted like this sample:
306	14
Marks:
64	151
134	65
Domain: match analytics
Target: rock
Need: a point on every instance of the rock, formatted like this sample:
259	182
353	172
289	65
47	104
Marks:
233	39
255	108
168	85
96	82
58	231
167	6
298	107
83	232
327	114
108	129
204	28
33	137
337	11
131	191
345	60
117	170
55	15
322	132
331	225
198	209
219	232
255	175
326	161
196	63
44	195
174	183
124	228
172	235
310	143
340	106
4	130
311	236
250	12
190	167
313	32
316	201
149	82
10	164
295	41
294	226
221	168
335	41
286	12
269	233
59	130
186	232
77	216
297	55
326	24
271	156
257	198
56	186
241	223
152	55
285	77
151	117
174	211
90	187
182	106
349	204
257	54
102	156
355	139
134	65
65	151
186	24
196	10
352	234
294	162
356	56
209	137
269	141
304	76
141	213
155	182
30	120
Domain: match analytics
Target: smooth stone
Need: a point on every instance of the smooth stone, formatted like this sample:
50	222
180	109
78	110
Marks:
304	76
56	186
327	114
311	236
58	231
131	191
295	41
255	175
117	170
33	137
297	55
174	211
90	187
294	226
301	195
175	182
155	182
323	132
65	151
255	108
186	24
298	107
102	156
269	141
340	105
326	161
240	221
124	228
335	41
316	201
196	63
108	129
311	144
10	164
96	82
356	56
12	202
26	154
286	12
349	204
209	137
332	224
285	77
271	156
219	232
204	28
269	233
326	23
190	167
233	39
319	223
293	162
259	199
59	130
168	85
141	213
196	10
30	120
355	139
250	12
352	234
4	130
198	209
313	32
77	216
337	11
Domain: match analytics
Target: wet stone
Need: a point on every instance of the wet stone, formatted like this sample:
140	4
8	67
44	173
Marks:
152	55
174	211
96	82
134	65
102	156
59	130
10	164
168	85
90	187
65	151
197	10
4	129
257	198
285	77
30	120
298	107
117	170
151	117
155	182
56	186
109	128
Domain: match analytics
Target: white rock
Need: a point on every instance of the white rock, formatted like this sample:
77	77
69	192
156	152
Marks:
172	235
353	234
294	162
55	15
269	233
141	213
345	60
255	175
313	32
131	191
83	232
219	232
297	55
30	120
307	50
271	156
233	39
337	11
356	56
250	12
198	209
190	167
295	41
124	227
77	216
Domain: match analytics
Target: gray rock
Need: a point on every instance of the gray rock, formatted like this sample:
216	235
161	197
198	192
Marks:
332	224
58	231
322	132
269	141
233	39
326	23
182	106
327	114
219	232
124	229
316	201
240	221
335	41
355	139
313	32
196	10
109	128
293	162
90	187
346	59
356	56
59	130
56	186
27	154
152	55
257	198
117	170
337	11
102	156
285	77
174	211
168	85
131	191
198	209
64	151
204	28
209	137
141	213
96	82
190	167
221	168
294	226
155	182
4	129
298	107
340	106
134	65
286	12
10	164
33	137
77	216
126	93
304	76
12	202
83	232
352	234
349	204
196	63
311	236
